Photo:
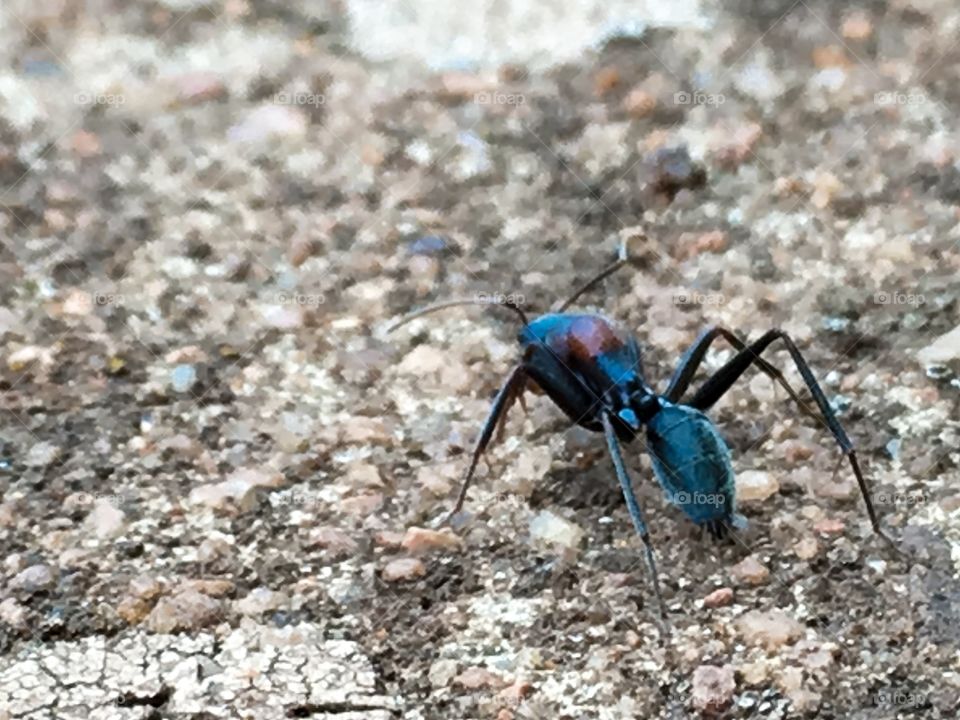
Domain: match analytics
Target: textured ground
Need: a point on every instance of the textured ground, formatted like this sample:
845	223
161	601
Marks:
212	454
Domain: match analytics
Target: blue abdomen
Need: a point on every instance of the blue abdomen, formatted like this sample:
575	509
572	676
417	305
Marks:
692	463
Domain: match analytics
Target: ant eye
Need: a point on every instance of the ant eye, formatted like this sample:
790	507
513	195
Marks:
629	417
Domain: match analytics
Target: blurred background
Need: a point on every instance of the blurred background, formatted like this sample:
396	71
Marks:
216	468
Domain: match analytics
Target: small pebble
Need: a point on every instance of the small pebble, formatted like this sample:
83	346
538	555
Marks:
146	587
423	360
442	672
362	505
816	656
713	688
212	549
825	187
363	475
795	452
750	571
78	302
804	701
552	529
756	486
183	377
187	610
942	350
106	521
669	170
33	579
830	56
13	614
606	79
475	678
789	679
755	673
770	629
186	355
389	539
333	539
213	588
199	87
835	487
464	86
857	26
428	245
516	693
403	569
283	317
474	156
807	548
434	481
85	144
639	103
757	80
738	148
785	186
721	597
42	454
364	430
690	245
261	600
422	540
269	121
238	490
30	356
133	610
829	526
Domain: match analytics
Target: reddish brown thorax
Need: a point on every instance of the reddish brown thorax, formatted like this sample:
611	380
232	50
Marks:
589	337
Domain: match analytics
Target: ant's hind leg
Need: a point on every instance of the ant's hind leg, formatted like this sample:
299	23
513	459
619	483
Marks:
721	381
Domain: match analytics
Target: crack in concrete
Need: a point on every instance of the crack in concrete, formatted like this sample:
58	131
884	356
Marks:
254	668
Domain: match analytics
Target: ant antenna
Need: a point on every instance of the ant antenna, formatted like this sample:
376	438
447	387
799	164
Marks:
622	259
510	304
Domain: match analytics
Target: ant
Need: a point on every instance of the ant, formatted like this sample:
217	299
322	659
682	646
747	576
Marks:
593	371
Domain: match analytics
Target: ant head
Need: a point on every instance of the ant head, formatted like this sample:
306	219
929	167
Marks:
644	404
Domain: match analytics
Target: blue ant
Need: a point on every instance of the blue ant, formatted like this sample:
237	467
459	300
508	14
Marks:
593	371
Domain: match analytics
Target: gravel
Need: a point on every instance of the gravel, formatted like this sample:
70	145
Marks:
220	476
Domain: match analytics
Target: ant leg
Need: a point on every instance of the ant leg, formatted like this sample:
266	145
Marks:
694	355
721	381
613	445
505	396
516	394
